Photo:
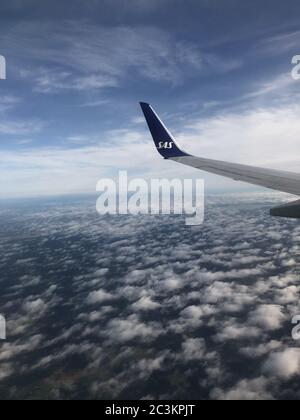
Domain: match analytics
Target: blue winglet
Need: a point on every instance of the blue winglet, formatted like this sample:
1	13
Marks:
163	139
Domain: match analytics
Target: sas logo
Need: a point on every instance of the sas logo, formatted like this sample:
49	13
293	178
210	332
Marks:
165	144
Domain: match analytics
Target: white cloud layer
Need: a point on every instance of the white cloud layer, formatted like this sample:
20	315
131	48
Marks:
262	137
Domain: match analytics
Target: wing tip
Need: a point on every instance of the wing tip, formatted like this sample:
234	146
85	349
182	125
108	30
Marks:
164	141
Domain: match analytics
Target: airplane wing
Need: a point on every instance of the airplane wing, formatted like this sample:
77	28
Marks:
283	181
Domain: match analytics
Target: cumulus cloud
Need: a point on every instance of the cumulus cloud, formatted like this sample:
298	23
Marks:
269	317
35	306
143	301
172	284
233	331
194	349
132	328
10	351
99	296
284	364
245	390
261	349
145	304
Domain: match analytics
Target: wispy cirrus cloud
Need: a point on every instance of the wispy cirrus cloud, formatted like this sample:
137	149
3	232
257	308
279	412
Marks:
85	56
52	81
20	128
7	102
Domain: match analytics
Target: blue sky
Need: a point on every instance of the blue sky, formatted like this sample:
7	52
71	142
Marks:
219	73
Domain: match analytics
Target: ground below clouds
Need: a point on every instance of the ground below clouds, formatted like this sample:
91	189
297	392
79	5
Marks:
145	307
